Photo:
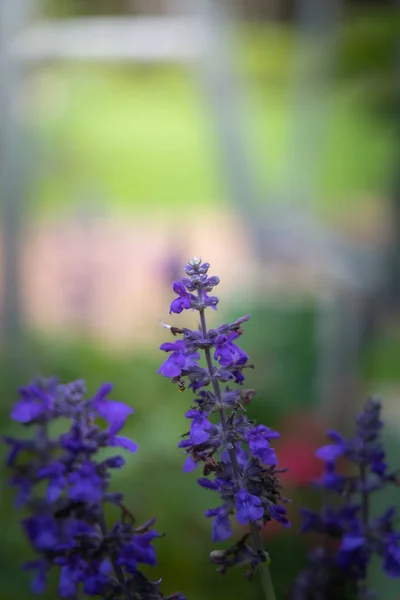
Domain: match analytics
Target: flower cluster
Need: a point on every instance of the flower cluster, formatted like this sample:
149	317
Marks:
233	449
64	489
358	534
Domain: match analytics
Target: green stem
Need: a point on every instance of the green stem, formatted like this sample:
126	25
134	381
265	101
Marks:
266	579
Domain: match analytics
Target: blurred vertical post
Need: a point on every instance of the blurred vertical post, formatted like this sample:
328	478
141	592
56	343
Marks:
13	14
317	23
223	94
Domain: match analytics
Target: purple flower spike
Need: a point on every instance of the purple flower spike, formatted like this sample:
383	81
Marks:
349	518
66	525
236	455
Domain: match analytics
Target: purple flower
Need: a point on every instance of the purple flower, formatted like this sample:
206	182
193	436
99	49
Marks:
183	300
222	527
57	482
138	550
258	439
279	514
330	480
190	464
248	507
391	558
42	531
227	353
241	456
331	452
115	413
85	484
41	566
67	585
210	301
34	403
179	360
199	428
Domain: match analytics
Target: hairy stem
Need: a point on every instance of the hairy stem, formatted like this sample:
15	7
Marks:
265	574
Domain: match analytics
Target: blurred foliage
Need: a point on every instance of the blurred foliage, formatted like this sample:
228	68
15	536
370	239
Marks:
280	338
381	361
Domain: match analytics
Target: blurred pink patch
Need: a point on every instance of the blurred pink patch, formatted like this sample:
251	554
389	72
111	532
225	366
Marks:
302	434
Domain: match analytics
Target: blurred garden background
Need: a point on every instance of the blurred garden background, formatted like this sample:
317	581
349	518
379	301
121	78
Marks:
261	135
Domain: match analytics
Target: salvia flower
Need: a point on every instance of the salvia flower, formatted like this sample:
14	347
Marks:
346	518
238	461
65	523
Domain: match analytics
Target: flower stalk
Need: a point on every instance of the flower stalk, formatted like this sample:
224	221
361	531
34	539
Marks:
66	525
266	579
359	536
235	451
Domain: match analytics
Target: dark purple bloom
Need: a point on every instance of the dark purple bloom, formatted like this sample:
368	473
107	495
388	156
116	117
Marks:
330	453
208	483
42	531
248	507
41	566
258	439
199	428
34	402
190	464
331	480
227	353
222	527
180	359
241	456
138	550
115	413
183	300
210	301
57	481
279	513
120	441
85	484
391	558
